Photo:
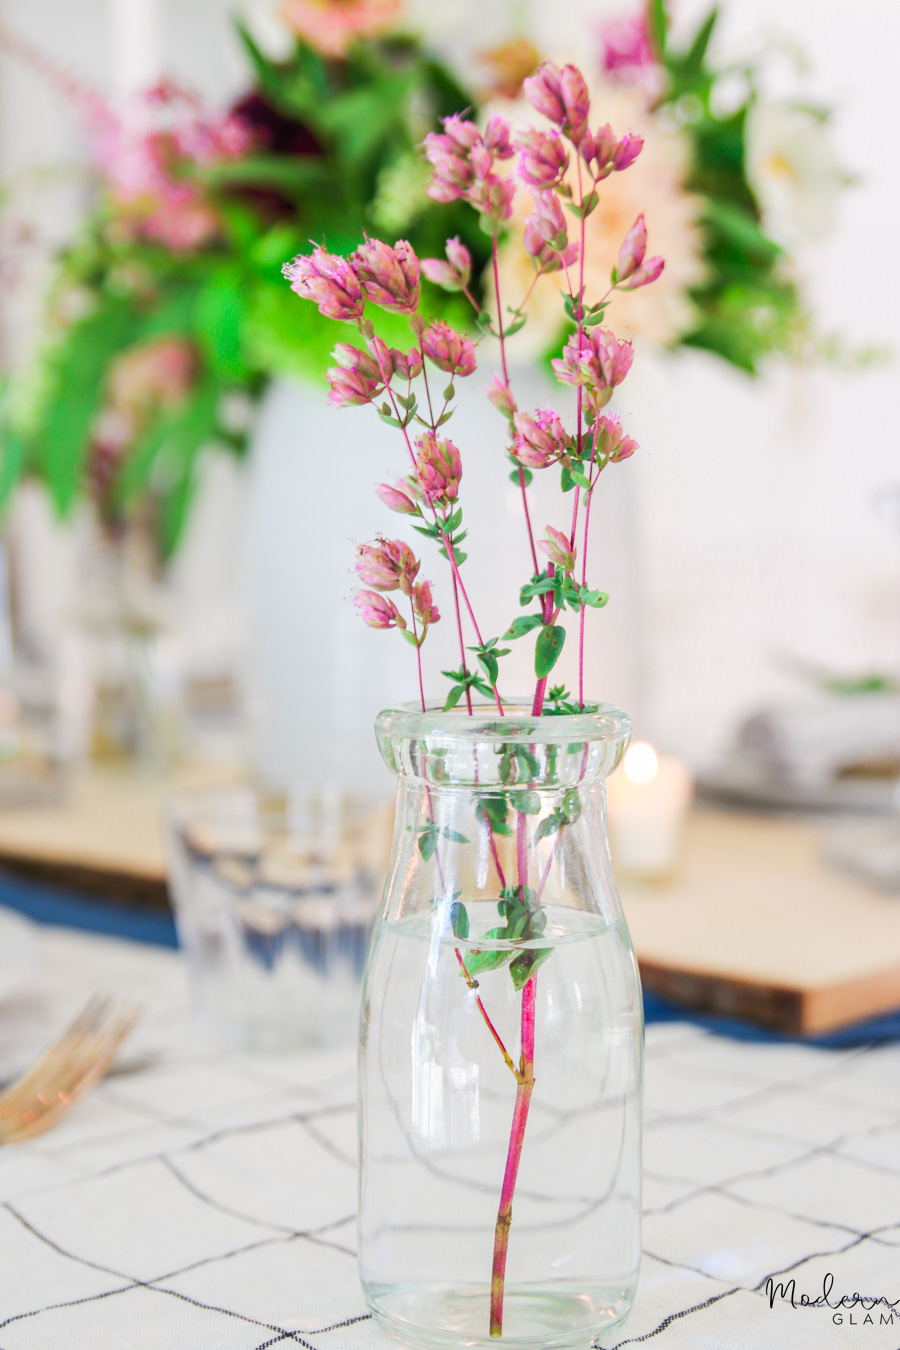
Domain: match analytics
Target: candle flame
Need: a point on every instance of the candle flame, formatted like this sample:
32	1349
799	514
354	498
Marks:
641	764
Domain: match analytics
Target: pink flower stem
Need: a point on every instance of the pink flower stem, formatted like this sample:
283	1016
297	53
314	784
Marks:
502	337
418	655
513	1157
584	548
473	984
457	580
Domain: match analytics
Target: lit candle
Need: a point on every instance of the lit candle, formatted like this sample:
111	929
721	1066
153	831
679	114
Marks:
647	801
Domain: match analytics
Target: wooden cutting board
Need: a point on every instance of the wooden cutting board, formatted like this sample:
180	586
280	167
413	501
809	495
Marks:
755	925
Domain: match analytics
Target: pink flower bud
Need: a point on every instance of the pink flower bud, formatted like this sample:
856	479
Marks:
576	101
447	349
627	151
481	160
425	608
500	394
573	366
351	358
496	137
349	387
544	93
557	548
613	357
396	500
543	158
389	276
389	565
462	131
378	611
547	220
540	440
408	366
454	274
438	469
605	142
329	281
612	442
631	254
651	271
384	358
499	198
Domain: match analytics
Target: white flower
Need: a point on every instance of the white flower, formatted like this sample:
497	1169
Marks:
793	171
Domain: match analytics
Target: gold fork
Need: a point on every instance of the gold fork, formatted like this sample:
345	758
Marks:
79	1058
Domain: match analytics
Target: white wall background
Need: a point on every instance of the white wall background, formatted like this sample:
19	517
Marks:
751	503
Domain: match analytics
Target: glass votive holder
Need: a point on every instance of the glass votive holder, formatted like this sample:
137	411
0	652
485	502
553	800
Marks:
274	899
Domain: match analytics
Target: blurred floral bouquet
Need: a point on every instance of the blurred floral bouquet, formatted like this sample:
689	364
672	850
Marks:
166	314
735	185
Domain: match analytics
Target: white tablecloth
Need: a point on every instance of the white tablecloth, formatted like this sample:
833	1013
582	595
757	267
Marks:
203	1201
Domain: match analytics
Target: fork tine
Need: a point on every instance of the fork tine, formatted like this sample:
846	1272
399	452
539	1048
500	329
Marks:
78	1059
58	1055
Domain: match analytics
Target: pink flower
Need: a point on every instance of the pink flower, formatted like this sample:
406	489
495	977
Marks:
408	366
500	394
463	160
627	151
631	254
389	565
627	51
357	378
543	158
562	96
389	276
496	137
607	153
378	611
547	220
540	440
425	608
447	349
557	548
397	500
329	281
331	28
649	272
613	357
612	442
595	360
438	469
453	275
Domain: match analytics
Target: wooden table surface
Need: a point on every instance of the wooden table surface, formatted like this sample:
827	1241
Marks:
754	925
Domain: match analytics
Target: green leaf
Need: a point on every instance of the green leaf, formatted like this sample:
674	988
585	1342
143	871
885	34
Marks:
428	838
529	802
478	961
526	477
595	599
526	963
524	624
454	836
492	812
459	920
571	805
549	825
658	24
692	64
548	648
454	696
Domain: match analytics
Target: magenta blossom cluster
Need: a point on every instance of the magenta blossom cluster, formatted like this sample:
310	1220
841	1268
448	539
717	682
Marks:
561	94
540	440
597	361
465	165
391	565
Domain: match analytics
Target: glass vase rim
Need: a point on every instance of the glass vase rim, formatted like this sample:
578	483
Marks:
485	724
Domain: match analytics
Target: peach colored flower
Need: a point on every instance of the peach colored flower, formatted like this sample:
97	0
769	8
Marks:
332	25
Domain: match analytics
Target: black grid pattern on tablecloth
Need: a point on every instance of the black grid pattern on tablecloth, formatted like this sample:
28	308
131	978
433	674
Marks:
168	1201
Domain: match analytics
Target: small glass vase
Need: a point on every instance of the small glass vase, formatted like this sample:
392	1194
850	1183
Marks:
501	1039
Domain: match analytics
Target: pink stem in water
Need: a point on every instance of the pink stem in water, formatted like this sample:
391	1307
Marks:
513	1157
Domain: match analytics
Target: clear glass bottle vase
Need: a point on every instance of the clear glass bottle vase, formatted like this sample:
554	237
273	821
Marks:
501	1039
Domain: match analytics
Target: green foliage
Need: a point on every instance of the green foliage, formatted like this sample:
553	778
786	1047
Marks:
361	120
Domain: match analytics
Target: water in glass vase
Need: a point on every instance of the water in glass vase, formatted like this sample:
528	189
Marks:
438	1104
